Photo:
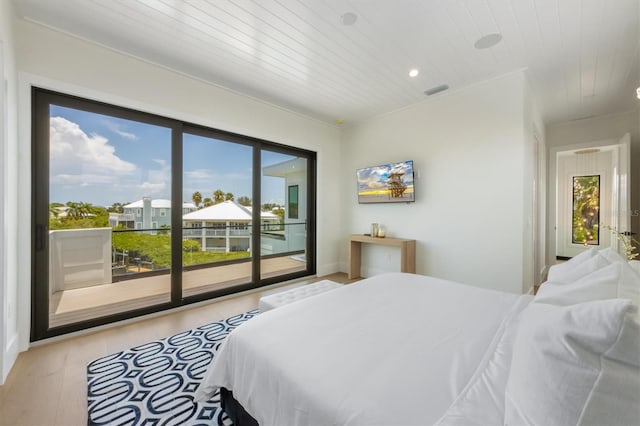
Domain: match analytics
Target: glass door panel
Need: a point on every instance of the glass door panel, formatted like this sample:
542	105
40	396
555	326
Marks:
109	215
283	214
217	181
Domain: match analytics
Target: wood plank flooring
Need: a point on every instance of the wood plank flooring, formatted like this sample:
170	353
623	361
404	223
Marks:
48	385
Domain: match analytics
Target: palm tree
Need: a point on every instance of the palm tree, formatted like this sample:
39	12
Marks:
244	200
197	198
79	210
208	202
74	210
87	209
218	196
228	196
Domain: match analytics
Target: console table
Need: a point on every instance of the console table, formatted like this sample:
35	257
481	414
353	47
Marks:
407	252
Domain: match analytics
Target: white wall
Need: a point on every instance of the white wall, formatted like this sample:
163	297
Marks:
8	194
49	59
604	129
533	181
469	148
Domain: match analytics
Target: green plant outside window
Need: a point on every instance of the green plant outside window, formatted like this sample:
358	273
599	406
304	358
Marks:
586	210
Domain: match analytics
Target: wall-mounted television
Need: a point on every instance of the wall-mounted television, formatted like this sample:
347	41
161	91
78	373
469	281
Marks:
387	183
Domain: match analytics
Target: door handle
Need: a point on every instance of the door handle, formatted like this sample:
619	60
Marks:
41	241
628	233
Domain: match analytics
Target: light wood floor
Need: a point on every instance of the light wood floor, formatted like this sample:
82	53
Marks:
48	383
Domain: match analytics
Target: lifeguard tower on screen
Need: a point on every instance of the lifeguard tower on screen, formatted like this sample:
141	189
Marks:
395	185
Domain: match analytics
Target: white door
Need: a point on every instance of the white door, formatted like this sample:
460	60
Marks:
622	195
592	196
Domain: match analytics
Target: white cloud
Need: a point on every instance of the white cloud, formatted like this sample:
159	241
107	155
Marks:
79	158
198	174
117	129
153	188
83	179
158	179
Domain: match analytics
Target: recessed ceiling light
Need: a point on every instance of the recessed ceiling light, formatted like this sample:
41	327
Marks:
488	41
638	92
414	72
348	18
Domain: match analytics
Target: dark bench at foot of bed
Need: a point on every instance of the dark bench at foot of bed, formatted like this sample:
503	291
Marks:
234	410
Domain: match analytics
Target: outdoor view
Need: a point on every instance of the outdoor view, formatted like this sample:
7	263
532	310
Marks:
586	210
110	213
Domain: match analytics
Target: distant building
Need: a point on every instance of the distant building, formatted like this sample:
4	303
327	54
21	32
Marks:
147	214
225	227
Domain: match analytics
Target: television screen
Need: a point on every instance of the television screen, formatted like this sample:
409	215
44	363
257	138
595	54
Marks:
388	183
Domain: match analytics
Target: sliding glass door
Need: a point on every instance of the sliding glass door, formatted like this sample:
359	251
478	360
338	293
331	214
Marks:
102	193
217	233
135	213
283	227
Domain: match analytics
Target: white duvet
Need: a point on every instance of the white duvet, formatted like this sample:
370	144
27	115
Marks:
394	349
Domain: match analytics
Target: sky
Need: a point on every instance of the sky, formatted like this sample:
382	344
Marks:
102	160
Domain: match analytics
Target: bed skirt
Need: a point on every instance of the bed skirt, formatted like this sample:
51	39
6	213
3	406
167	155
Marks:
234	410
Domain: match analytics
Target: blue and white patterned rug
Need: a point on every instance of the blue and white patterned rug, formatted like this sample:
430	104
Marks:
154	383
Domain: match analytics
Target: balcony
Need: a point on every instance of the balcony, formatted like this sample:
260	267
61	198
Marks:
82	287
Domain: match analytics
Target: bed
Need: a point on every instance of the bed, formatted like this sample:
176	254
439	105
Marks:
408	349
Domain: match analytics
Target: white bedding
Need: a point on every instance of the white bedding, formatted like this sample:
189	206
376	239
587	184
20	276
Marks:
392	349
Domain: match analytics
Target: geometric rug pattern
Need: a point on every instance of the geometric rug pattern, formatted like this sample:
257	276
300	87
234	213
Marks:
154	383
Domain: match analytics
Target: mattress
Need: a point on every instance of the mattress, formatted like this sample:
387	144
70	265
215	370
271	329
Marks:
392	349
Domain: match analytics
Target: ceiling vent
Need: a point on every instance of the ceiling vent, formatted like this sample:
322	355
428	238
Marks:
436	89
488	41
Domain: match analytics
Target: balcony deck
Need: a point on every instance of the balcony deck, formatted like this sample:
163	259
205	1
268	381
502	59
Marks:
80	304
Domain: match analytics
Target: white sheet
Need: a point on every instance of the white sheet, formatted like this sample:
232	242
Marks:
391	349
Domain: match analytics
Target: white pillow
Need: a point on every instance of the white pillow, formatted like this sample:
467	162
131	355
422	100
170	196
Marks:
617	280
556	271
612	255
577	270
575	365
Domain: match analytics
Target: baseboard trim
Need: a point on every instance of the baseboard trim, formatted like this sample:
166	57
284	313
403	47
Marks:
9	358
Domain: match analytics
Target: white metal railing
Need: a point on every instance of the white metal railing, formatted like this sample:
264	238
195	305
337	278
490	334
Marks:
199	232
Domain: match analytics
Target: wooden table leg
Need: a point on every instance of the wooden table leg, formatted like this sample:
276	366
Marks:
355	255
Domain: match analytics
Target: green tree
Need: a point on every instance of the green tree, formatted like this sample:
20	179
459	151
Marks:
218	196
267	207
80	215
197	198
54	210
78	210
244	201
228	196
279	211
116	208
207	202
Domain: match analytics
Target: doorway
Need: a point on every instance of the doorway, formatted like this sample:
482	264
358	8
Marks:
592	196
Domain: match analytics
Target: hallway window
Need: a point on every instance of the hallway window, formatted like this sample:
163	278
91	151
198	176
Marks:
586	210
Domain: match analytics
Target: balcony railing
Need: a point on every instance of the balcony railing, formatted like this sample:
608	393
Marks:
102	255
215	232
123	217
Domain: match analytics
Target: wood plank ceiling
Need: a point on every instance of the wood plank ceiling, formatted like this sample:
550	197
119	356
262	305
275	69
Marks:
583	55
